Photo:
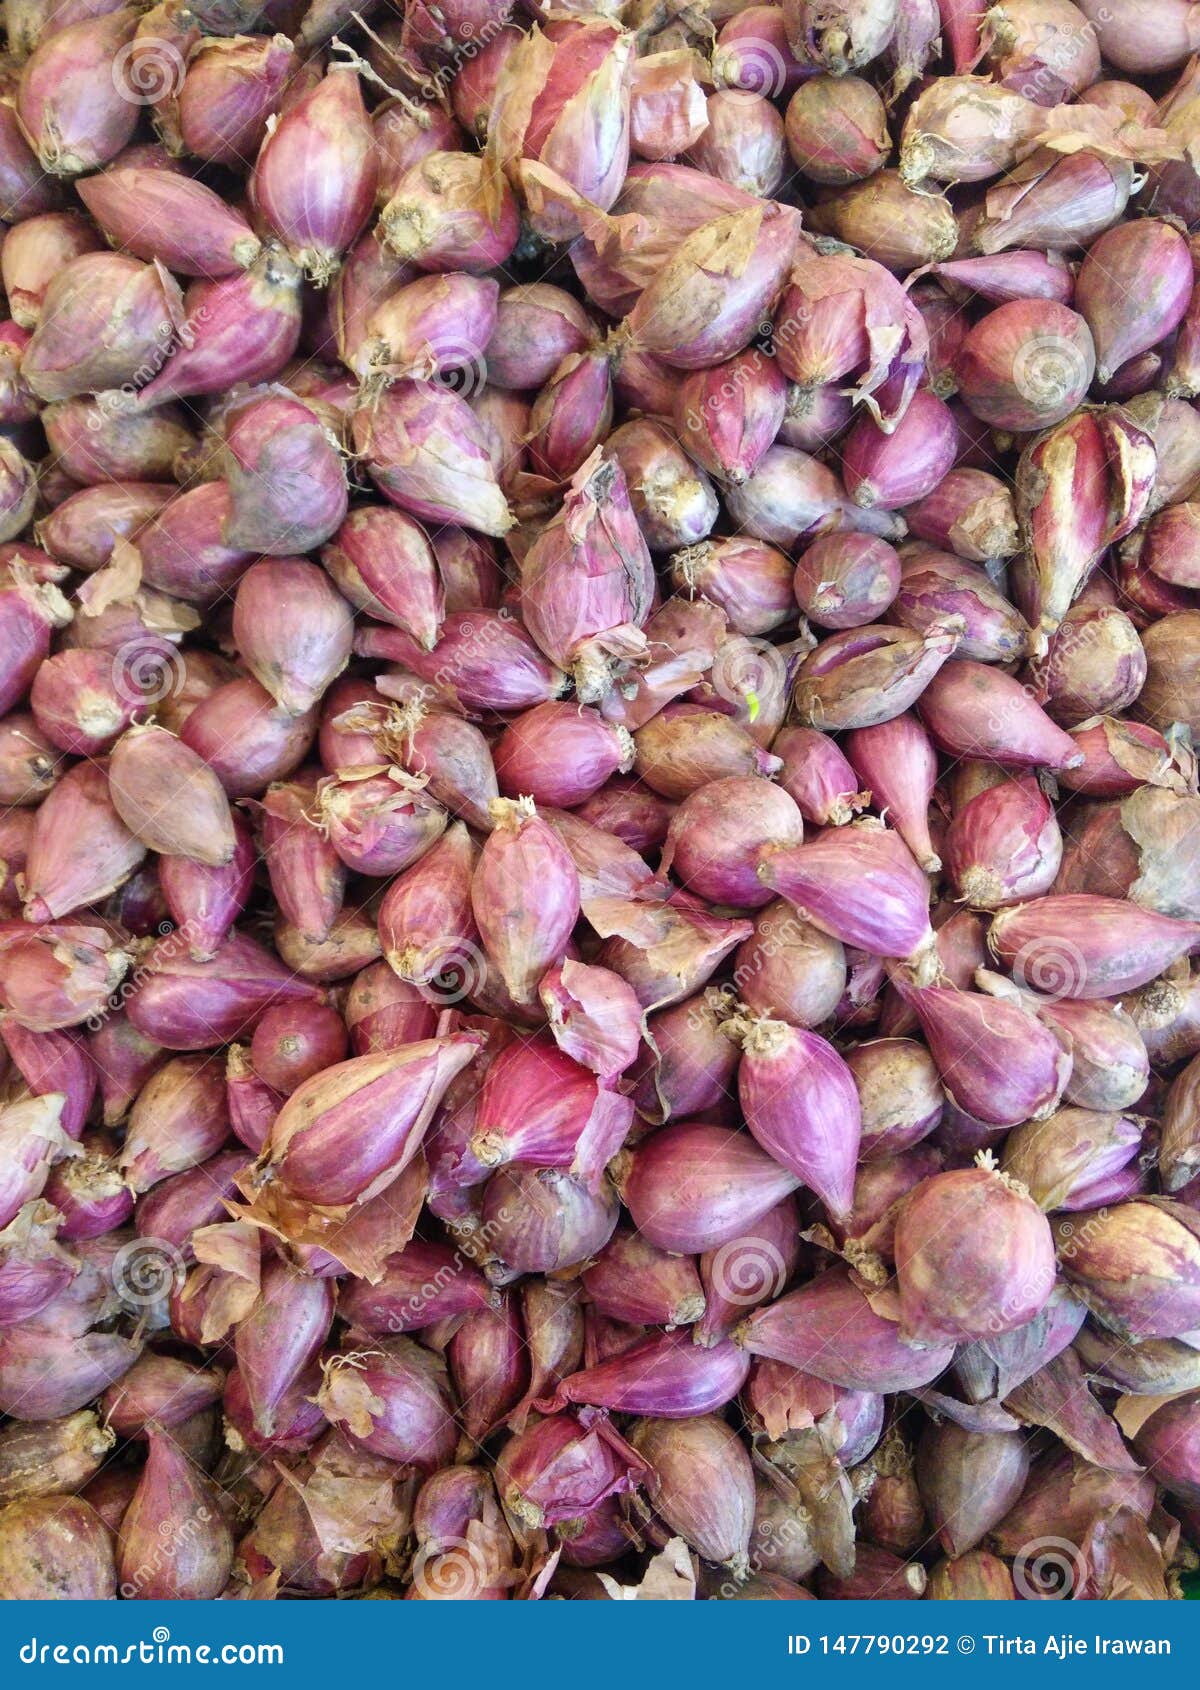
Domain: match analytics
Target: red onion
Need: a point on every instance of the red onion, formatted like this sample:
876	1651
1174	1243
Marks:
170	1213
845	580
1136	1263
179	1120
422	1284
580	1125
293	1043
51	1460
197	823
324	137
717	835
752	52
1082	946
743	143
831	1329
716	327
58	973
790	968
542	1219
59	876
29	613
837	130
1158	256
801	1105
197	1565
561	1470
691	1188
995	1060
702	1485
536	328
72	101
56	1548
521	853
899	1095
818	777
633	1281
859	884
1004	845
426	452
900	467
279	1338
665	1375
438	218
844	315
560	754
406	911
897	763
230	89
869	675
973	710
594	1016
1026	365
35	254
293	630
1080	487
968	1481
316	1148
157	214
240	328
30	766
974	1255
245	738
687	1062
383	1012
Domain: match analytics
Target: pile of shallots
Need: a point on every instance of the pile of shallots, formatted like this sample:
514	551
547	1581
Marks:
599	837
